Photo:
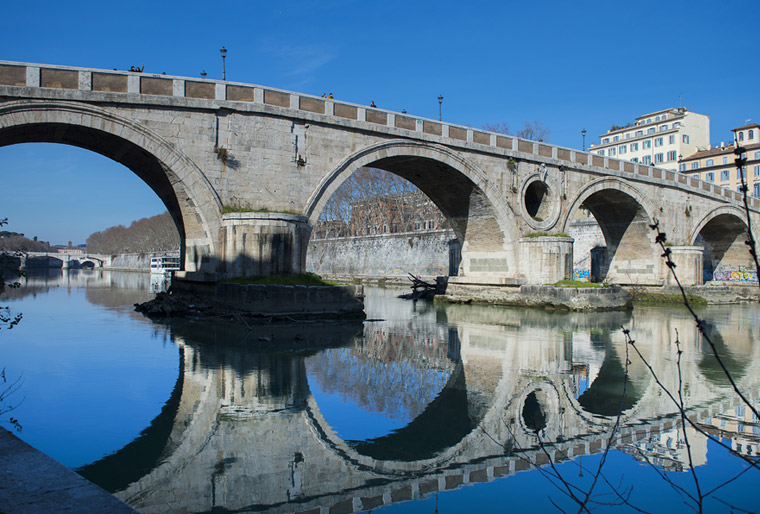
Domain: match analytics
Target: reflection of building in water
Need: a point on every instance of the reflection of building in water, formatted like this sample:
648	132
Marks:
669	451
740	425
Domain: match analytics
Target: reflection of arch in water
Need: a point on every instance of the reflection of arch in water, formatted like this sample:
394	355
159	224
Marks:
129	464
709	365
445	422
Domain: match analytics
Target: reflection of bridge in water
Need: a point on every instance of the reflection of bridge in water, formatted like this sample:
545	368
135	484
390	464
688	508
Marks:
243	432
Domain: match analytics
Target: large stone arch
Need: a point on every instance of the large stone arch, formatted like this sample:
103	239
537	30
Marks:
475	208
722	233
186	192
624	214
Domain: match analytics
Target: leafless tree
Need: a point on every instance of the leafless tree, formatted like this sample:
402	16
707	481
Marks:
373	201
535	130
155	234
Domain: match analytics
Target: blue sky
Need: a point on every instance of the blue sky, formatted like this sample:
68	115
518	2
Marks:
570	65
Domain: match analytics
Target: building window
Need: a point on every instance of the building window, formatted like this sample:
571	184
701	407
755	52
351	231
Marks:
672	139
628	135
639	133
616	138
647	159
709	162
676	124
741	136
605	140
623	149
656	118
658	158
751	134
646	144
651	130
672	155
663	127
695	165
710	177
601	152
612	151
741	173
725	160
657	142
757	155
756	189
634	147
682	167
696	176
725	175
635	159
756	170
685	138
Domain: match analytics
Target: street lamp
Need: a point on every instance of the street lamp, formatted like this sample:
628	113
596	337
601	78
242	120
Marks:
203	74
440	101
583	133
223	51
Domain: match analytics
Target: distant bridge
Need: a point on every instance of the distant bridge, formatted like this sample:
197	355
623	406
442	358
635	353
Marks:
62	260
246	170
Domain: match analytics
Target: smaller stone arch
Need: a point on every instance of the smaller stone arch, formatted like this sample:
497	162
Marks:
722	234
623	213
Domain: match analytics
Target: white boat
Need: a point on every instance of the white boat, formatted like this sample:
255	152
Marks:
163	265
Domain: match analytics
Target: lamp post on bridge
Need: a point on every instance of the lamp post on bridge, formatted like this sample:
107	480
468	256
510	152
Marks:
440	101
223	51
583	133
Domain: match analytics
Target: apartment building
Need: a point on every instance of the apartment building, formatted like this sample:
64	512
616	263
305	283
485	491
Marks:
718	164
659	138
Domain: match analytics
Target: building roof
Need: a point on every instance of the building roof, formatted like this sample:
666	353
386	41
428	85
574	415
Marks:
720	150
677	110
751	125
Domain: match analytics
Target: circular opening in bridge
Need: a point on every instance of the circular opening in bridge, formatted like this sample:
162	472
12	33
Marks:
534	415
536	200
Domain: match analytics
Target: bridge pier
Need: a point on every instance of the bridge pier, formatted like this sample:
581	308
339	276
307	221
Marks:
263	243
689	261
546	259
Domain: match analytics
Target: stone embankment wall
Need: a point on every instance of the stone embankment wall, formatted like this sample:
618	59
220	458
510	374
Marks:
135	261
422	253
588	236
385	255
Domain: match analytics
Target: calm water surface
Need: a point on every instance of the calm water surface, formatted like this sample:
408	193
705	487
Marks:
421	409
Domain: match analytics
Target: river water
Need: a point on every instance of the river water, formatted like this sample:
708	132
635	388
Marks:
422	408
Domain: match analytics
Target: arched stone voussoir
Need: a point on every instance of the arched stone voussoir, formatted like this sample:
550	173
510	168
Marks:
732	210
184	177
607	183
413	149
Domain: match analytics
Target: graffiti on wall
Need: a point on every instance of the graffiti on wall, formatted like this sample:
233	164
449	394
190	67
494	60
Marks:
432	269
581	274
741	274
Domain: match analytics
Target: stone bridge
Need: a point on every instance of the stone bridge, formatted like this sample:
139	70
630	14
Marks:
246	170
242	431
60	260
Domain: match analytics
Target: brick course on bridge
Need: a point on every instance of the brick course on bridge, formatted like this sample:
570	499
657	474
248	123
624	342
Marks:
245	171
